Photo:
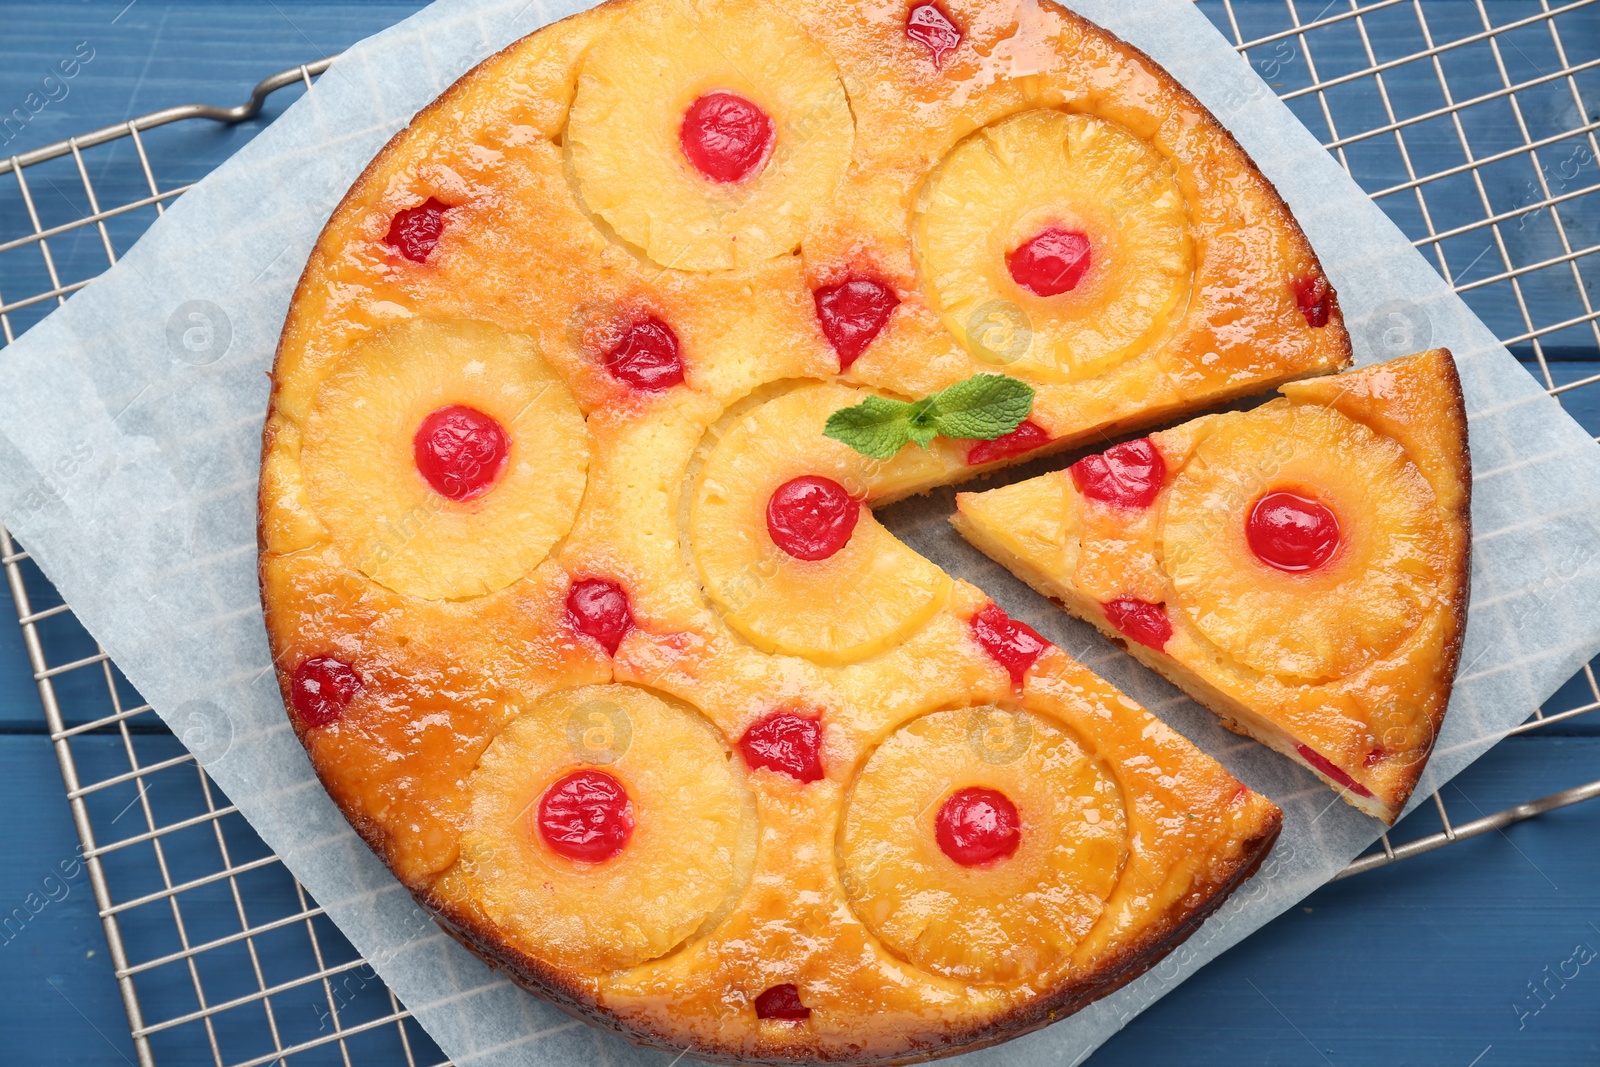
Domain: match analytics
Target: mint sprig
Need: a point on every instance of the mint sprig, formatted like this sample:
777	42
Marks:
981	408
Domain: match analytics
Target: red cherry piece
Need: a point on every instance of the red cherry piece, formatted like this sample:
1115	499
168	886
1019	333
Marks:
1052	263
811	517
1292	532
787	742
599	609
414	232
725	136
647	356
322	688
1315	297
929	26
460	451
1128	475
586	817
1327	767
852	313
1025	438
1141	621
978	826
781	1002
1014	645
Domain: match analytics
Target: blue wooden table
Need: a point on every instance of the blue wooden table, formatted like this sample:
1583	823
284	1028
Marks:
1482	954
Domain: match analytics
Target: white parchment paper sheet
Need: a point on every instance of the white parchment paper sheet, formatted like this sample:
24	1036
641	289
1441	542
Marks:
129	453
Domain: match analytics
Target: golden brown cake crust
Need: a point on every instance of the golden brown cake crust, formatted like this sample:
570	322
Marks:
445	678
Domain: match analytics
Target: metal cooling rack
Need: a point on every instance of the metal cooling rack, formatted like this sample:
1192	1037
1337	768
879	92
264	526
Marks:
1475	132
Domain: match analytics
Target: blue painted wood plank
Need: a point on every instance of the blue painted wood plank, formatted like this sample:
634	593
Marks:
59	999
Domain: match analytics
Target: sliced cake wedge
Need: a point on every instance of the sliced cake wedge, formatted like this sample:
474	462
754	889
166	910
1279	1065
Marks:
1301	569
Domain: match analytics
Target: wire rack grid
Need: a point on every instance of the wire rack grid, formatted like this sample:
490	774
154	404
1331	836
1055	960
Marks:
1473	125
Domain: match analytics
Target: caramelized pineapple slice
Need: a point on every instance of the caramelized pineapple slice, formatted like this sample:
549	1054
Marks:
705	131
1032	524
1068	229
869	593
999	919
1385	560
675	868
499	486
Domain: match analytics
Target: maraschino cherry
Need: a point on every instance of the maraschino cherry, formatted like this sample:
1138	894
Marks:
978	826
1314	296
1025	438
932	28
1014	645
646	356
460	451
414	232
1292	532
599	609
853	312
787	742
586	816
811	517
1141	621
322	687
782	1002
1052	262
1128	475
1332	770
726	137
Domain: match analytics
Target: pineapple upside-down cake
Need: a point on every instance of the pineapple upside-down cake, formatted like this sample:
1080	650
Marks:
569	565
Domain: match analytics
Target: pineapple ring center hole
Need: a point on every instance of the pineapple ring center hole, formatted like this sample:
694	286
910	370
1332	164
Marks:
1292	532
726	137
586	817
460	452
811	517
976	827
1051	262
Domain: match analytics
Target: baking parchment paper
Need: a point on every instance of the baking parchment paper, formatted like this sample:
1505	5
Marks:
130	429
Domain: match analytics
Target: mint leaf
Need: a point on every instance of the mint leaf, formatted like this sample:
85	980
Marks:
877	427
920	421
983	407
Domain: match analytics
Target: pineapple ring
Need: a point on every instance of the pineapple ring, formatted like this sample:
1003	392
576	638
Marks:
1016	918
1044	169
686	863
1325	623
631	99
868	596
362	478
